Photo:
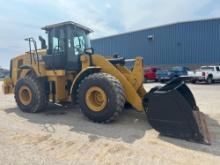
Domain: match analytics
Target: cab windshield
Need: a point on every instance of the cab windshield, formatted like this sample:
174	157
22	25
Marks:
80	41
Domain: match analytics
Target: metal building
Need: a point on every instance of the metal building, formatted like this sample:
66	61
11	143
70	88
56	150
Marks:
184	43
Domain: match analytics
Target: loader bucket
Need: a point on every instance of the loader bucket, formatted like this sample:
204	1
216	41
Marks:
172	111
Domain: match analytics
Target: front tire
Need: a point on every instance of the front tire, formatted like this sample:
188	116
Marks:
101	97
30	95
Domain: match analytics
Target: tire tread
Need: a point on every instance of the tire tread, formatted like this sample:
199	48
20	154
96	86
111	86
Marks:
115	86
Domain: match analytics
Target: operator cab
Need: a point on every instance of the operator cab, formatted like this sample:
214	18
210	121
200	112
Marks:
66	42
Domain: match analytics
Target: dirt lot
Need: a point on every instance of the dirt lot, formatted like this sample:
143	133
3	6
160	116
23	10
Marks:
66	137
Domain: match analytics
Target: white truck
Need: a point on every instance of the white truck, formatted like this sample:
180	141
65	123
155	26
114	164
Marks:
208	74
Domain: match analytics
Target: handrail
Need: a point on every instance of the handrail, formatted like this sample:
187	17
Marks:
32	40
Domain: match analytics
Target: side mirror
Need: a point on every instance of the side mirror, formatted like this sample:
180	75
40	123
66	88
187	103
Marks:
89	51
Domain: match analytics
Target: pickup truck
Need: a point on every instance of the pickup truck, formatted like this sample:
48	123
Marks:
177	71
150	73
209	74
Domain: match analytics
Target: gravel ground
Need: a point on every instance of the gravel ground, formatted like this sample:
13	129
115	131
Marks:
65	136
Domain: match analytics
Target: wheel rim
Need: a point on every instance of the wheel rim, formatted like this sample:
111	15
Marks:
96	99
25	95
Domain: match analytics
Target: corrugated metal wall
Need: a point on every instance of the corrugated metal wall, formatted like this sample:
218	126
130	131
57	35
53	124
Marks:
187	43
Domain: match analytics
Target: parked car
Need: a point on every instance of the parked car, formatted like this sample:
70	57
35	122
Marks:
164	75
206	74
177	71
150	73
2	75
180	71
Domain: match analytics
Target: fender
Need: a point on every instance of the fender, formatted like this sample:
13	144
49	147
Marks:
132	95
24	66
80	77
27	70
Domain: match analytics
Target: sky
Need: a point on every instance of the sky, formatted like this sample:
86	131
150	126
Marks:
20	19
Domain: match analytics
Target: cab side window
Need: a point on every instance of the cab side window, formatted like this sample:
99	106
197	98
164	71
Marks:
57	42
218	69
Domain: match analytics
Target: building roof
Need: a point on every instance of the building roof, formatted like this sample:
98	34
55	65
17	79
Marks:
149	28
48	27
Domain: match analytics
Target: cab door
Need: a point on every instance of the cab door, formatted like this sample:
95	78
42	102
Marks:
73	56
56	54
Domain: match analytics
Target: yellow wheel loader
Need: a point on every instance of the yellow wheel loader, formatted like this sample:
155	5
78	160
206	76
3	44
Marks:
68	70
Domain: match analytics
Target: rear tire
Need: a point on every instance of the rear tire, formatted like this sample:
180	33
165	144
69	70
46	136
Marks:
193	81
30	95
114	94
209	80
